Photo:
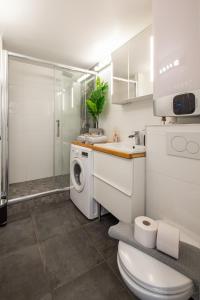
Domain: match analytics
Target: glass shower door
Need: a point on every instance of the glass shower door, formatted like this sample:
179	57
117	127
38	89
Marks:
46	112
67	121
71	91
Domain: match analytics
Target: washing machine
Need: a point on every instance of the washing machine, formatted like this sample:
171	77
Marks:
81	180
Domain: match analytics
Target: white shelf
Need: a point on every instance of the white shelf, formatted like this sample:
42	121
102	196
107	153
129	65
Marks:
135	99
124	79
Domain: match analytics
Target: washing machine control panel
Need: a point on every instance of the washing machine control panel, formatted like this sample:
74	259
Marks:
184	144
79	153
84	154
75	152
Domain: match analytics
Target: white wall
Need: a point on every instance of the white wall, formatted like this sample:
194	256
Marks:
173	182
125	118
1	43
31	121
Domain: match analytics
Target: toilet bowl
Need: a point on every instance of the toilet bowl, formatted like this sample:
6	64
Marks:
150	279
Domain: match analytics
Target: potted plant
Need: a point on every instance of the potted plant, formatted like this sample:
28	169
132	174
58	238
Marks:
95	103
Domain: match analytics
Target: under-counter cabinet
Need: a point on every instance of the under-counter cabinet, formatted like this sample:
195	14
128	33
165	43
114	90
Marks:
119	185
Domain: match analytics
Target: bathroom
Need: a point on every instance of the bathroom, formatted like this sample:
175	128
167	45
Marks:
100	139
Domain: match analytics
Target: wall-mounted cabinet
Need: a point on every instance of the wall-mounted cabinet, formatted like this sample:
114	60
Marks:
131	72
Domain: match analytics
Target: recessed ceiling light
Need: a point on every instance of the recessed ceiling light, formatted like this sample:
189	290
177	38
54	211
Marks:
176	62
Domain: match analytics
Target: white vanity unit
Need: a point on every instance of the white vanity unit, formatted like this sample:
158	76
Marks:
119	180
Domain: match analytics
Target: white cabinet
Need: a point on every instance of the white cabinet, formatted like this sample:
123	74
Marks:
132	69
119	185
120	77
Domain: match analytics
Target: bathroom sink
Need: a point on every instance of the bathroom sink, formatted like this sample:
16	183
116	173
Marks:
122	147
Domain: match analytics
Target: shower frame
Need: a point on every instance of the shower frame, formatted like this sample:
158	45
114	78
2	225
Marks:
5	126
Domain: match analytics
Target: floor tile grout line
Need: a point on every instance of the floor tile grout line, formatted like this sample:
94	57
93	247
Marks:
58	235
93	244
89	270
43	260
98	250
117	277
40	242
83	273
42	257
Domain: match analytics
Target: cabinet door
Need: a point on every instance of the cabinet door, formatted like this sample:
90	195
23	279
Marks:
132	68
120	74
139	64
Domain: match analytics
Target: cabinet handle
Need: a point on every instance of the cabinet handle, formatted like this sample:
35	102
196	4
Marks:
58	128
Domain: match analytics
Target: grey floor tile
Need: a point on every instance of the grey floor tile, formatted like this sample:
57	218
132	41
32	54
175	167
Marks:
109	251
22	276
80	216
98	234
55	221
18	211
97	284
112	263
24	209
16	235
49	202
68	256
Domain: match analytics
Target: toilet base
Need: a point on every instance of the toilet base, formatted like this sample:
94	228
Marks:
145	294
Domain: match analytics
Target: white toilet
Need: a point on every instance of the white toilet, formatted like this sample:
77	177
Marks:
150	279
172	195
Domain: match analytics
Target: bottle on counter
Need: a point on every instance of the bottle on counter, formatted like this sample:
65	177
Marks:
116	137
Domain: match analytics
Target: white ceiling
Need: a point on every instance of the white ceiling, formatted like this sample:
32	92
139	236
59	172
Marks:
74	32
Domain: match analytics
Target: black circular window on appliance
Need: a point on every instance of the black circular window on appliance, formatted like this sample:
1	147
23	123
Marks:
77	173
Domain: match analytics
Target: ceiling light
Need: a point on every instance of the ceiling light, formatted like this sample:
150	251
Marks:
176	63
103	63
83	77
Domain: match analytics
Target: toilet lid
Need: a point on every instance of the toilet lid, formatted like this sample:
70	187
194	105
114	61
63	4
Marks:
150	273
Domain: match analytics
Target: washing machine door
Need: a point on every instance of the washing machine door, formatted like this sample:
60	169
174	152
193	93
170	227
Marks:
77	174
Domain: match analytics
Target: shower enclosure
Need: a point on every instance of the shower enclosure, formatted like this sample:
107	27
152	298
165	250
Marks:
42	111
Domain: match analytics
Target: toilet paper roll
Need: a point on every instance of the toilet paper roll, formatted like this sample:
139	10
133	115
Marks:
168	238
145	231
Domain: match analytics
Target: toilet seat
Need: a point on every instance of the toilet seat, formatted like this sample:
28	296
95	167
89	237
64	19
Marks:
151	275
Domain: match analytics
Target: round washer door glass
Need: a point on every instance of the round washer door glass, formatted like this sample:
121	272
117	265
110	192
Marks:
78	178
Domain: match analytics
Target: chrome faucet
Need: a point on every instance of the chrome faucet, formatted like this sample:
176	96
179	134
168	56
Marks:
135	135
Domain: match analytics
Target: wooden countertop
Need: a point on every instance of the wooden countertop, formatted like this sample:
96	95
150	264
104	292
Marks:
109	151
82	144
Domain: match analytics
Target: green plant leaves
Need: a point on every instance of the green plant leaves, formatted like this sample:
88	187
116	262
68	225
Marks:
91	106
95	103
